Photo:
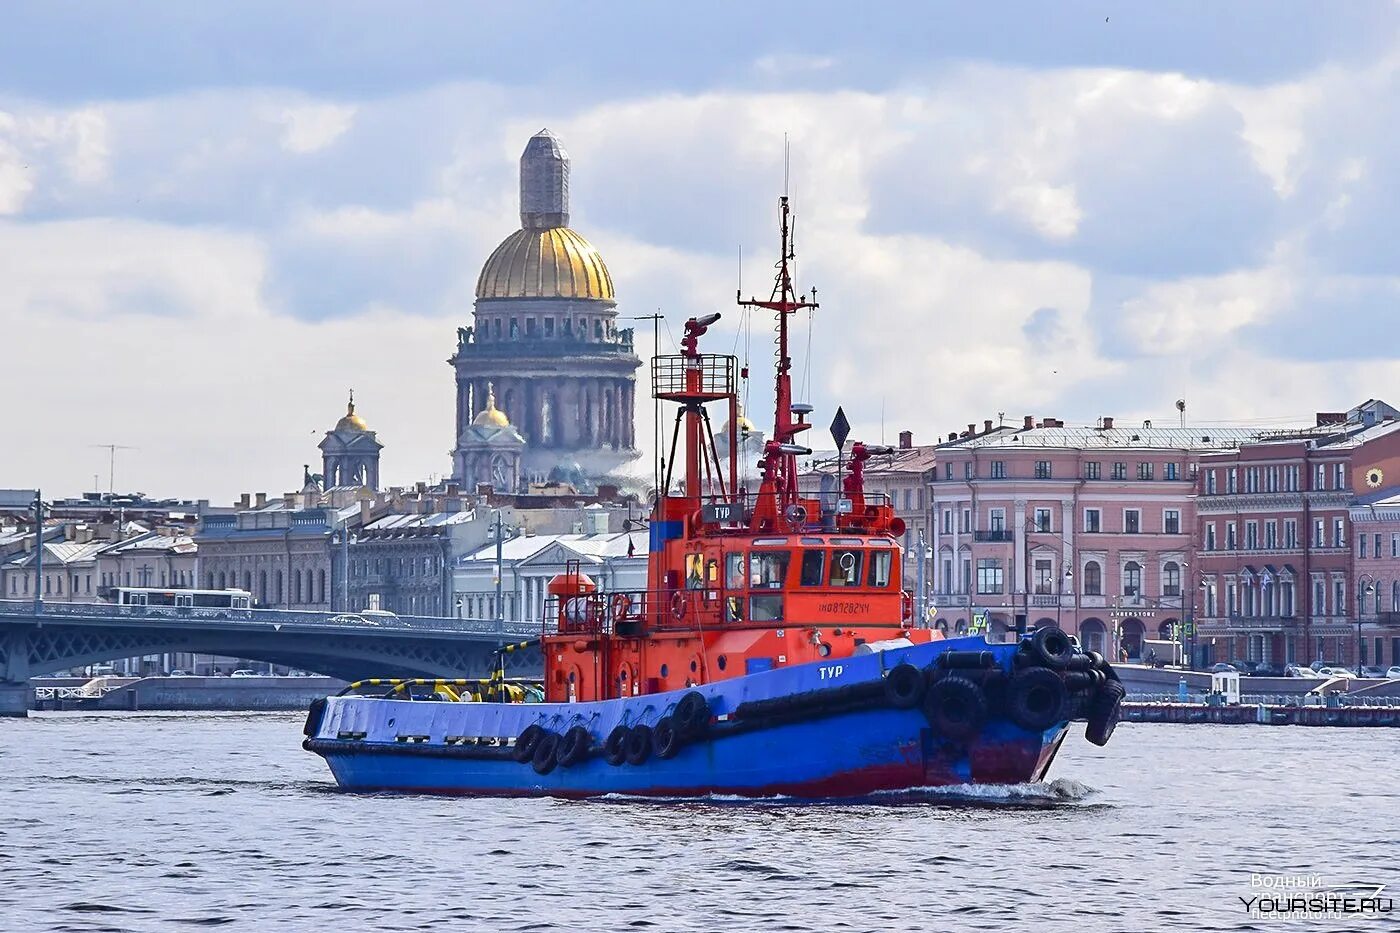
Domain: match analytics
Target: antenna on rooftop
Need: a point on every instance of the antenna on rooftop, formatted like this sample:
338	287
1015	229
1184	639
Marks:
1181	407
112	463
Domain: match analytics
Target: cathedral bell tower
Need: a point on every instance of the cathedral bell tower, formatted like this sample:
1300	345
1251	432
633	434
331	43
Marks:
545	337
350	452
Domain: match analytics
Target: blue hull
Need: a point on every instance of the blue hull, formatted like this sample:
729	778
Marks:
375	744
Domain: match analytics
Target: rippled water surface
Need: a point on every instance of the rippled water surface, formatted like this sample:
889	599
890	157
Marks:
164	822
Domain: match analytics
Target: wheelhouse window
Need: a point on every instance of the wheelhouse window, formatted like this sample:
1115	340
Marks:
734	570
881	563
845	568
768	569
694	571
813	567
767	608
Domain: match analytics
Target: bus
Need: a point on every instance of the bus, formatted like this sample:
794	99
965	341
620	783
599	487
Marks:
183	599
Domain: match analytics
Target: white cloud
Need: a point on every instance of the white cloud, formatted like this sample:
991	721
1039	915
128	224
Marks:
313	127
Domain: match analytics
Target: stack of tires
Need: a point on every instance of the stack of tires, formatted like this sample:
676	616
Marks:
1051	681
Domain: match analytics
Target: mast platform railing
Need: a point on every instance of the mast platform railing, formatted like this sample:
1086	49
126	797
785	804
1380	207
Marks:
675	377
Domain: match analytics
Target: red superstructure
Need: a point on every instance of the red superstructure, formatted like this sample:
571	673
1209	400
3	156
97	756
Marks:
738	582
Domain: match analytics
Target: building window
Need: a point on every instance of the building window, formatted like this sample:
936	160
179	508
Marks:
1120	470
1093	579
948	471
1319	606
1339	597
1044	585
1093	519
1210	482
1210	599
1091	470
989	575
1230	542
1271	535
1132	521
1290	533
1339	532
1132	578
1319	477
1251	536
998	520
1171	521
1377	540
998	469
967	469
549	327
1395	552
1042	469
1171	471
1042	520
1339	477
1210	536
1145	470
1231	480
1171	579
966	521
1361	547
1286	599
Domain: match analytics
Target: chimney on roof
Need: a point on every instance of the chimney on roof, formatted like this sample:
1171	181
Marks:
906	440
972	429
261	501
422	487
1108	422
365	507
289	500
243	501
1028	423
987	426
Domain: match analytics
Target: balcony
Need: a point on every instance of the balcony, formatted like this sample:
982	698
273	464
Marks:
1002	535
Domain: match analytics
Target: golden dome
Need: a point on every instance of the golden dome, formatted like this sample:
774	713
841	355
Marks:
352	422
554	262
744	424
491	416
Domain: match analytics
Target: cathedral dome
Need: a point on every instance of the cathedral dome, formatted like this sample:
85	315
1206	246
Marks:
491	416
553	262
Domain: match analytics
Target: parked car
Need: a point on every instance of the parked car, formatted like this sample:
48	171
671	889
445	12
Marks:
179	674
1245	667
1296	670
1373	672
1224	668
1337	671
1267	670
244	673
1393	673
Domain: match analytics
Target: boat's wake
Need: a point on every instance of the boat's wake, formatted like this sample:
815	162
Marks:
1059	792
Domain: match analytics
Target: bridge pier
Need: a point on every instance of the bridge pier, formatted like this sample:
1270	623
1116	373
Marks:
14	699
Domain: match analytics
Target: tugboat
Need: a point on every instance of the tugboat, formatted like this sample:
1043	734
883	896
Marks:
774	651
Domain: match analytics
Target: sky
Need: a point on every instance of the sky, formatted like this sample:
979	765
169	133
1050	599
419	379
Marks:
217	218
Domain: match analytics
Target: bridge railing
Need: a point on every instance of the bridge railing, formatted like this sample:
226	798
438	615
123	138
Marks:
349	621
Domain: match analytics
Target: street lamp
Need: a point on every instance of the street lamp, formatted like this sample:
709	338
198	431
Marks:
1066	582
1368	590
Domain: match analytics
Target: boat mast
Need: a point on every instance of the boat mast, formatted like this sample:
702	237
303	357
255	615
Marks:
779	463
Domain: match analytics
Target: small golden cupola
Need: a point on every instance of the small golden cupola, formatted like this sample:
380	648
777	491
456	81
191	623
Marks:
491	416
352	423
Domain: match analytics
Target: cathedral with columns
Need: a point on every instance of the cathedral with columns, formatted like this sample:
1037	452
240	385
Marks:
544	361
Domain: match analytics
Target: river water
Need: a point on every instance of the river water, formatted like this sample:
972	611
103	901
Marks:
168	821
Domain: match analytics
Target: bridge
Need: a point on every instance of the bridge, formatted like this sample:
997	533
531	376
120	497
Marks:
56	637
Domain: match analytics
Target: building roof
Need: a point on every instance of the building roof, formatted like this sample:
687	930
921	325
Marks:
1088	437
595	547
431	520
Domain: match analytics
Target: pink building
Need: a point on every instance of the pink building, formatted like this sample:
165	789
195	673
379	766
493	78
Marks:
1090	528
1375	520
1289	528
